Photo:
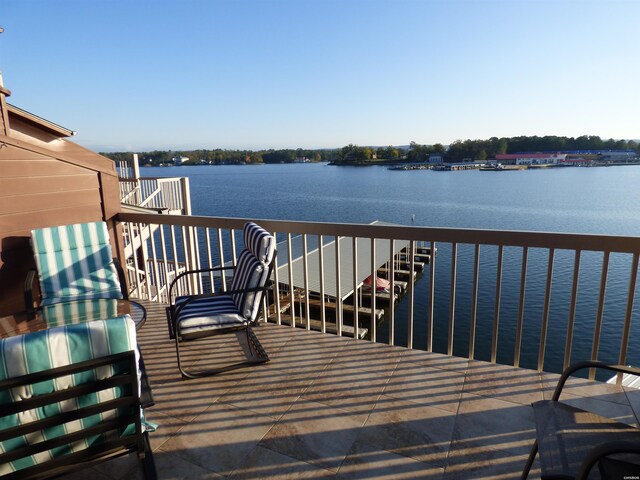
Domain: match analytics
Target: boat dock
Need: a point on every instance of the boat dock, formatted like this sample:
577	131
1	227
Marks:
311	300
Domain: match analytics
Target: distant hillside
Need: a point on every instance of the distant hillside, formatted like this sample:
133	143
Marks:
460	150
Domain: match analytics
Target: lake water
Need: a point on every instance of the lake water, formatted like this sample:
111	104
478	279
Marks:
577	200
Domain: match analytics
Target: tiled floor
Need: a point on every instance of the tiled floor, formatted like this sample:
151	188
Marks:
326	406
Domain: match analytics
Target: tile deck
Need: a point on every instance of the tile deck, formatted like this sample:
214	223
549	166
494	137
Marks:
334	407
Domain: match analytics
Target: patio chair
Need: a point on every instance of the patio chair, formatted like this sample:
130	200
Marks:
570	441
74	262
191	317
70	398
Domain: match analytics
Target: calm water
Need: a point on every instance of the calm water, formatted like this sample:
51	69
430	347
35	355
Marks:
579	200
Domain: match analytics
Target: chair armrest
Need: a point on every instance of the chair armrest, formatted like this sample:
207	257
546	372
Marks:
589	364
190	272
28	292
604	450
121	278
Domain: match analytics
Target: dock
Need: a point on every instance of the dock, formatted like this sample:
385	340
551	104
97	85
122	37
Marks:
316	326
399	274
315	303
347	284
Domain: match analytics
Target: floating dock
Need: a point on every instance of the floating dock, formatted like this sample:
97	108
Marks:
342	286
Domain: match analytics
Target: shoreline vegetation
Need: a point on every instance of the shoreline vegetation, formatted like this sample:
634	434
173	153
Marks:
354	155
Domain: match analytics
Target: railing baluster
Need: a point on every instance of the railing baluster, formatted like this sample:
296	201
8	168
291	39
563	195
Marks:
356	326
221	258
496	308
212	279
338	290
145	254
572	310
292	293
545	311
452	297
234	256
276	287
154	260
323	315
374	283
134	250
624	344
305	266
194	245
392	293
176	271
165	263
412	265
598	325
432	296
474	302
185	253
523	287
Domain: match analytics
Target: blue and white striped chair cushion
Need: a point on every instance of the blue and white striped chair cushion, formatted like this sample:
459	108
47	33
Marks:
57	347
205	314
249	273
75	262
259	242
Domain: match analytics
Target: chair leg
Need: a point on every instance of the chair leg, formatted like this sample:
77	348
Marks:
530	460
259	356
148	464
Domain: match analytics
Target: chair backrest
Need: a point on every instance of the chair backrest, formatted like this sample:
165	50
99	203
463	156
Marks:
75	262
81	311
253	269
82	381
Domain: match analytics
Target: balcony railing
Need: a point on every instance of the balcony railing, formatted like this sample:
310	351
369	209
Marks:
167	194
486	293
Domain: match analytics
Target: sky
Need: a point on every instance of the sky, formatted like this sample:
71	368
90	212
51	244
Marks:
133	75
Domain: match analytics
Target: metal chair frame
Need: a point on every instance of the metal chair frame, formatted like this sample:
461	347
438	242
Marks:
258	352
94	454
598	451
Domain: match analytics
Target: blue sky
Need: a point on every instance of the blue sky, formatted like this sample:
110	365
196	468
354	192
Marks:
140	75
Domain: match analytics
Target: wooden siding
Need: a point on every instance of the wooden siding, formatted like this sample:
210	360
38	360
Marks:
44	185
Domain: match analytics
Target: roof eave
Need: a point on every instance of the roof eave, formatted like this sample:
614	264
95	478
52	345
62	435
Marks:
40	122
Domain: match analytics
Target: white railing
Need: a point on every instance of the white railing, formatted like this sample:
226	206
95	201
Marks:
472	308
171	194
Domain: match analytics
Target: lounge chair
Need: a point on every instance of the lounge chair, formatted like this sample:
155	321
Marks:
74	262
71	397
191	317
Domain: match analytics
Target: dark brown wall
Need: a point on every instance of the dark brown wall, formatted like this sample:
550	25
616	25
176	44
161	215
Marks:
46	184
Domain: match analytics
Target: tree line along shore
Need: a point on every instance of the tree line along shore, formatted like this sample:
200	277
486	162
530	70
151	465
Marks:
458	151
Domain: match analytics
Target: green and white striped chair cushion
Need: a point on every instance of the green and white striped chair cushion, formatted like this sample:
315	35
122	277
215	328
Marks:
57	347
59	314
75	262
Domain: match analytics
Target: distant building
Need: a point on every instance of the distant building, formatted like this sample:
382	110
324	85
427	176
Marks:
179	160
436	158
531	158
577	161
457	166
618	155
301	160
